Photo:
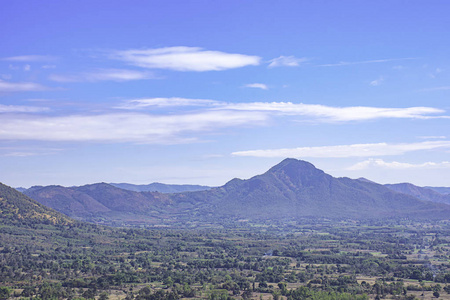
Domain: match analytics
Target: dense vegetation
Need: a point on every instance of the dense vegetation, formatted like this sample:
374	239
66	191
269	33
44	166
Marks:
301	260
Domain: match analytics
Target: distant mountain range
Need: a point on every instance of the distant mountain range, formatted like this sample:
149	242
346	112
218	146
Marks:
291	189
440	190
161	187
423	193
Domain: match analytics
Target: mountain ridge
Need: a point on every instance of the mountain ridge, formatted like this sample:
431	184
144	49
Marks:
291	189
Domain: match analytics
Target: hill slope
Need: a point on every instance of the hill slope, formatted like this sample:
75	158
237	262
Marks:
16	207
440	190
96	200
422	193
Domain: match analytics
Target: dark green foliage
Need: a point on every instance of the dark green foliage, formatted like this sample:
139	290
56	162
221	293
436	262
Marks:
5	292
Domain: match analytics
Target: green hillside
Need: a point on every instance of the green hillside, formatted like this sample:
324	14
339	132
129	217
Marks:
15	207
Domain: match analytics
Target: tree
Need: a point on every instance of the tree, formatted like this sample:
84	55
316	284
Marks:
5	292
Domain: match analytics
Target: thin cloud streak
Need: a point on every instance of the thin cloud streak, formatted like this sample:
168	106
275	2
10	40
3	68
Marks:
337	114
286	61
166	102
118	75
21	86
342	151
30	58
21	109
374	61
185	59
130	127
395	165
319	112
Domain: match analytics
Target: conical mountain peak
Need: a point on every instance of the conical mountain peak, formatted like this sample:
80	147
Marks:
294	168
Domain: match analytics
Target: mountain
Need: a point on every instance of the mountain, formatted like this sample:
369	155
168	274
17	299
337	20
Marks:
422	193
161	187
440	190
295	188
16	207
93	200
291	189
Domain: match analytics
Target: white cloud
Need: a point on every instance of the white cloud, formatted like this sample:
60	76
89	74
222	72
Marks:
348	63
377	82
286	61
21	109
379	163
320	112
27	68
123	127
27	58
257	86
119	75
20	86
341	151
185	59
337	114
167	102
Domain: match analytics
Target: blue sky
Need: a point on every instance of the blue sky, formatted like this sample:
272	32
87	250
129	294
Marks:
201	92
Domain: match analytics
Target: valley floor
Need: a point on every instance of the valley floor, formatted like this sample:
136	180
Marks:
302	259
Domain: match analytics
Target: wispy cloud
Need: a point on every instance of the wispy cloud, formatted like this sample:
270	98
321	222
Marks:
261	86
187	118
377	82
167	102
185	59
321	113
123	127
374	61
118	75
20	154
21	109
340	151
395	165
30	58
287	61
337	114
25	152
21	86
